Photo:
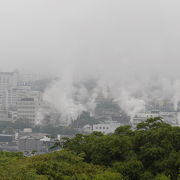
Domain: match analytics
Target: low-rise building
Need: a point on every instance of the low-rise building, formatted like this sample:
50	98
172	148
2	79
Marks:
87	129
141	117
168	117
35	142
5	138
107	127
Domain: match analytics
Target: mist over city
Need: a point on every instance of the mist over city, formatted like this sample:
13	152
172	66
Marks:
96	80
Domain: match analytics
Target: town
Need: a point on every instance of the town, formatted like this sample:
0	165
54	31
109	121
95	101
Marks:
25	129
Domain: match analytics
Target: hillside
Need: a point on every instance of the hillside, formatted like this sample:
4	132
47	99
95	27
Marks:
151	152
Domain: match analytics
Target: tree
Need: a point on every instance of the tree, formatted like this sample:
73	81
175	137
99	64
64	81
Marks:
152	123
124	130
131	169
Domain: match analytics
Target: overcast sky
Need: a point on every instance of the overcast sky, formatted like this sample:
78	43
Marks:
100	36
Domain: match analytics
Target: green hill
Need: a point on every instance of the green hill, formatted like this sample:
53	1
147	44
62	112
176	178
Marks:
151	152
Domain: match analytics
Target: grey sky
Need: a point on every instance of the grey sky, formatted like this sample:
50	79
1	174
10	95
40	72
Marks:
90	36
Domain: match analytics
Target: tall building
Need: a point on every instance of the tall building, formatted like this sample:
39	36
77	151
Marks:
8	81
27	109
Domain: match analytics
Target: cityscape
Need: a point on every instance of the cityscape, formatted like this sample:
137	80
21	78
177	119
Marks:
31	123
89	90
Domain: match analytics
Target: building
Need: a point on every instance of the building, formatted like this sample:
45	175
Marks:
167	117
163	105
12	116
87	129
35	142
6	138
141	117
170	117
106	128
27	110
108	109
8	81
4	116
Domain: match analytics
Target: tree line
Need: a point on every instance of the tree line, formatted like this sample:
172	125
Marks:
151	152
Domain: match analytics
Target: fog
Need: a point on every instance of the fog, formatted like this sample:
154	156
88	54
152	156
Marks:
126	36
128	45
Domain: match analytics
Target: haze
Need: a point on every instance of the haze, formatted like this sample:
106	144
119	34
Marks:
106	37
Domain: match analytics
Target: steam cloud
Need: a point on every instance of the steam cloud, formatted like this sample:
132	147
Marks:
70	96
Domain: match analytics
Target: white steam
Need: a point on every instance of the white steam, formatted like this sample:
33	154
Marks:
70	97
131	105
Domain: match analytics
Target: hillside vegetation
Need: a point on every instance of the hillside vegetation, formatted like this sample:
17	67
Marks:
151	152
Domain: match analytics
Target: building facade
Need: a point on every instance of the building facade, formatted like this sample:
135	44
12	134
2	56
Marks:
106	128
27	110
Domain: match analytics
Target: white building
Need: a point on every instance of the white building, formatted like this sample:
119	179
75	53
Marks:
168	117
8	81
141	117
27	109
13	95
87	128
106	128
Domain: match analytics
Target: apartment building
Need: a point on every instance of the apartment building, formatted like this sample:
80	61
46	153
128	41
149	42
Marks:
27	110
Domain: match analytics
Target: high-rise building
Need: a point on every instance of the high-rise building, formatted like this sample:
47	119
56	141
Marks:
8	81
27	109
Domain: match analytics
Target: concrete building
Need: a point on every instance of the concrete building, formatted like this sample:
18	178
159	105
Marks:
8	81
12	98
168	117
5	138
27	110
108	109
35	142
4	116
12	115
106	128
141	117
87	129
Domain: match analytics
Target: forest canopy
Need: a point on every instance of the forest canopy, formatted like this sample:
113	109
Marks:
151	152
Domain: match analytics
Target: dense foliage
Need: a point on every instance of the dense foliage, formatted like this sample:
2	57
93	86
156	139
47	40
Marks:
60	165
151	152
